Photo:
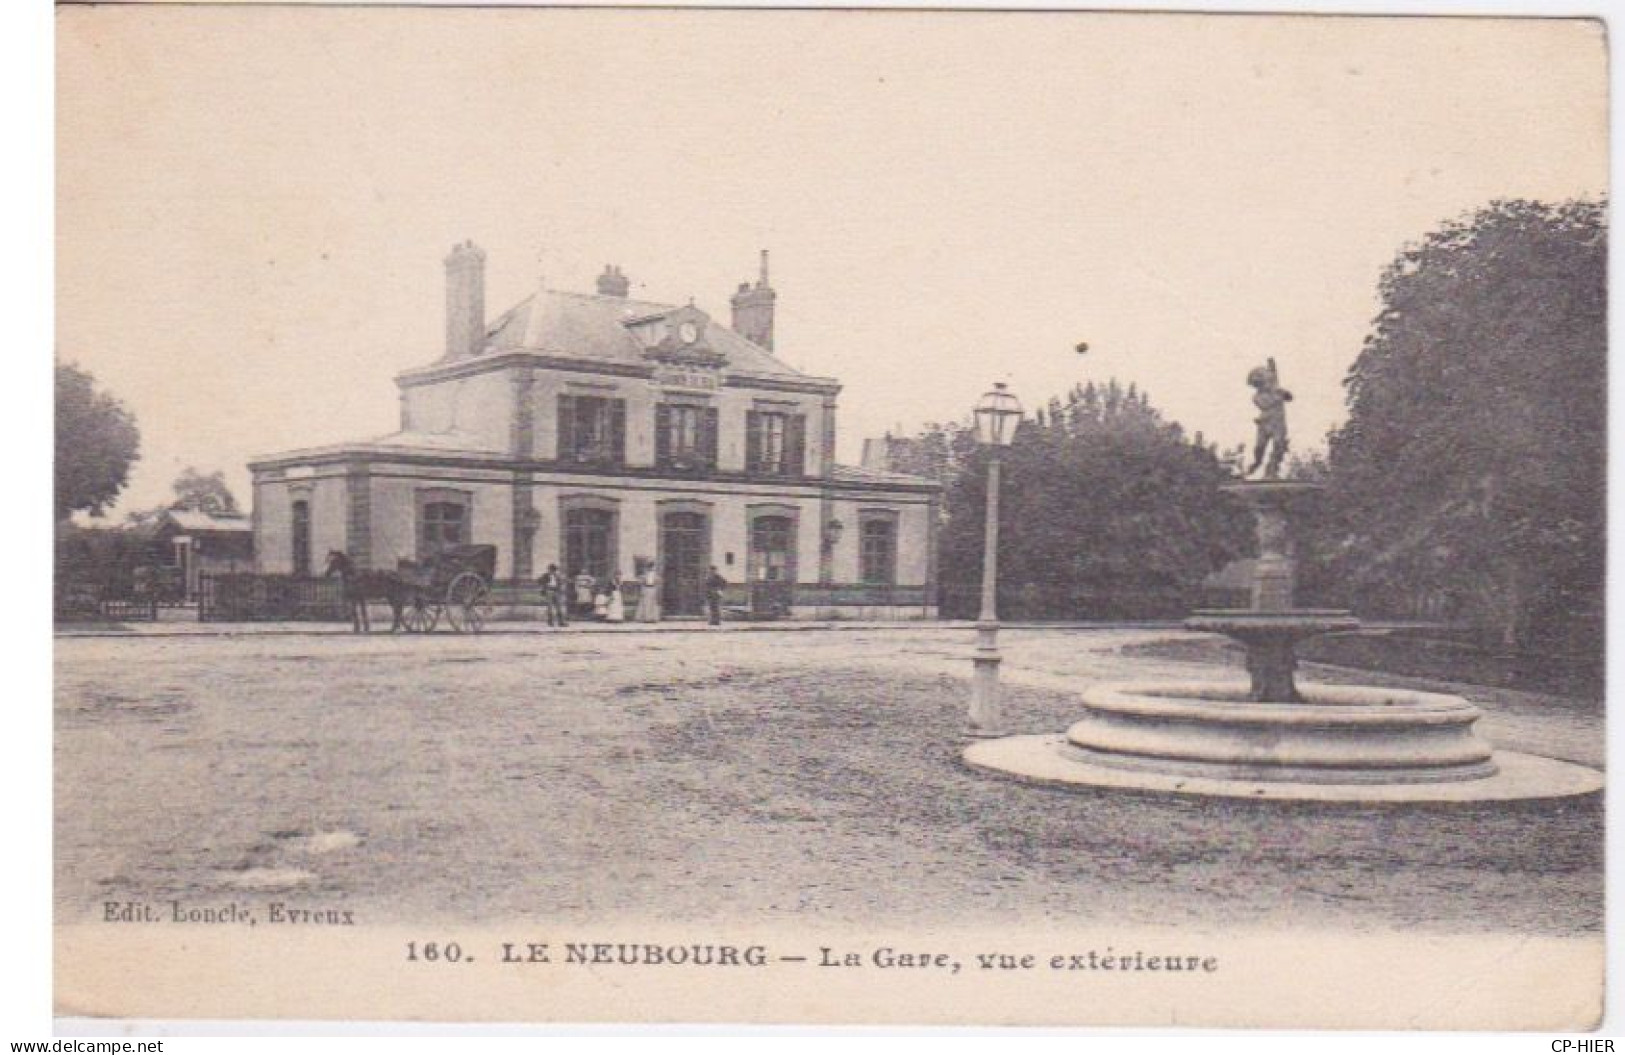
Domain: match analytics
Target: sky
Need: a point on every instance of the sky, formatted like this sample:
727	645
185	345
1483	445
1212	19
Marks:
253	205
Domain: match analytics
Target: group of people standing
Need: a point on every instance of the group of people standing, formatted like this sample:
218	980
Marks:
585	597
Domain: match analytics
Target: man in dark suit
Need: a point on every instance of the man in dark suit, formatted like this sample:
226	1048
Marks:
552	583
713	595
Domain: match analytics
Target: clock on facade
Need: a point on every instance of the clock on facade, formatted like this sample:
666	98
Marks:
688	333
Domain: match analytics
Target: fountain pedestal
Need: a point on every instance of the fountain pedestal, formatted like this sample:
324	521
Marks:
1270	629
1270	640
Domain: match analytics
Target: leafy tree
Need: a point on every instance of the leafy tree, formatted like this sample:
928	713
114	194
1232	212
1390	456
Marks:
940	452
1107	510
96	443
203	494
1471	466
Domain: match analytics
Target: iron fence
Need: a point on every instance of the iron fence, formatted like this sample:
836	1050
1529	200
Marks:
243	597
81	602
1038	601
136	610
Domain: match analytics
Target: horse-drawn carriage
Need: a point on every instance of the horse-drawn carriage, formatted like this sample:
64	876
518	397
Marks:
454	583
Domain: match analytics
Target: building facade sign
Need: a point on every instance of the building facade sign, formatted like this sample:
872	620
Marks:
687	376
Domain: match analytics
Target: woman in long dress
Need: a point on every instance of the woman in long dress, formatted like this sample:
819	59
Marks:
615	610
648	594
584	587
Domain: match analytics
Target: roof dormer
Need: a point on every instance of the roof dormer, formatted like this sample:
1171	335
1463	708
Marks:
678	336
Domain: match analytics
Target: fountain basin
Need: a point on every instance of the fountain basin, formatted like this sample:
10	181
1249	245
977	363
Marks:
1270	639
1047	760
1333	735
1296	623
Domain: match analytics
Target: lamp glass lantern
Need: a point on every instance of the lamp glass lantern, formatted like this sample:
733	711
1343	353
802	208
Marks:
997	413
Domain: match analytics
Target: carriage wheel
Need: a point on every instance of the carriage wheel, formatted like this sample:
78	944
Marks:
468	603
419	616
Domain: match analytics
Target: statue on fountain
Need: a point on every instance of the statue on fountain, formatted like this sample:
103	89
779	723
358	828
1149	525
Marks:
1271	400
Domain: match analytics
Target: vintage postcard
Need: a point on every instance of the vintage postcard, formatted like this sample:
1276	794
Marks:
829	516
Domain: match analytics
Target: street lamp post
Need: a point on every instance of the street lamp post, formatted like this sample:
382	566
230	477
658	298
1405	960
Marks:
997	414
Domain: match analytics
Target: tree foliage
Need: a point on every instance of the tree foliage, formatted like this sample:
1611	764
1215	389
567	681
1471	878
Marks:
940	452
96	443
1107	510
1471	466
203	493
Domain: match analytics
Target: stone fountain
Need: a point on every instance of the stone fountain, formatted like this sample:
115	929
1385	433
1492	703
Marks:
1270	737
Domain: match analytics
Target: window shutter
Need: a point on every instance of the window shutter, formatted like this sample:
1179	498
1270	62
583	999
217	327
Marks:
566	427
662	434
795	445
617	431
753	441
708	436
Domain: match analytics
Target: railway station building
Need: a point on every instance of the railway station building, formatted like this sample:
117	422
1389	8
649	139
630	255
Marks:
591	429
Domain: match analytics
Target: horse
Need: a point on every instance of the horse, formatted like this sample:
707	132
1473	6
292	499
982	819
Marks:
362	585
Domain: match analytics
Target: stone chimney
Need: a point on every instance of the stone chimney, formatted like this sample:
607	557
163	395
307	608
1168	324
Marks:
465	301
612	283
753	309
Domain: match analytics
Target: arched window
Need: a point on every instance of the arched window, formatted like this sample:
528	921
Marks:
443	521
300	534
771	548
592	429
685	436
775	442
444	526
877	552
589	542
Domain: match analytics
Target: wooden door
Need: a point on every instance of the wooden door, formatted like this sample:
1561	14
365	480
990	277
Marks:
684	560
